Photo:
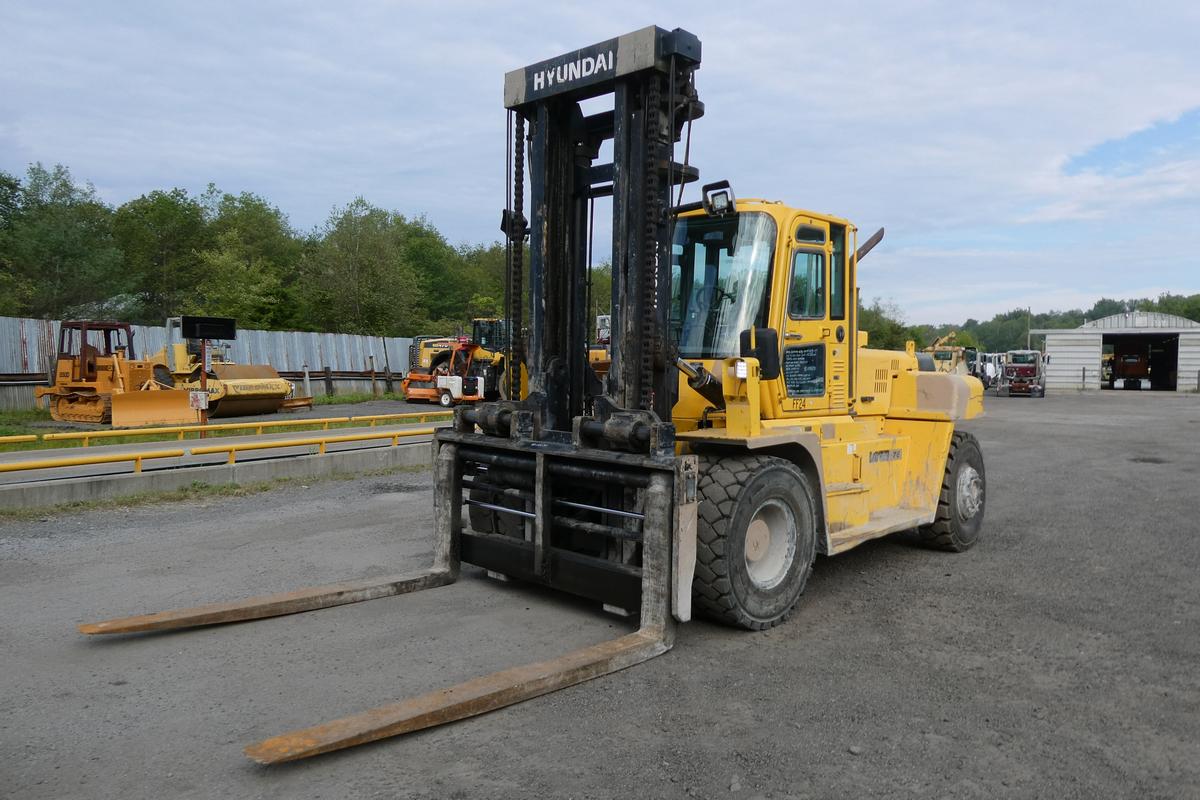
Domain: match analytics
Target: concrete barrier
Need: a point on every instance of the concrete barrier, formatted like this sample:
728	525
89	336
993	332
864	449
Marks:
41	494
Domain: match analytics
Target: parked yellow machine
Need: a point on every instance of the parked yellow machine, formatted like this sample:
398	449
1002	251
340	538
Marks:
233	389
950	357
98	379
742	428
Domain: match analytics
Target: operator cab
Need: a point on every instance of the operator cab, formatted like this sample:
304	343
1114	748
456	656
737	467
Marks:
727	271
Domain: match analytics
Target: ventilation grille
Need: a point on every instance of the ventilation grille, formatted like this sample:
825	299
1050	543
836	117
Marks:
881	381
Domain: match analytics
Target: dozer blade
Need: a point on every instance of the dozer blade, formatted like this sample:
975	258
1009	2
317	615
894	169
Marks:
274	605
476	696
162	407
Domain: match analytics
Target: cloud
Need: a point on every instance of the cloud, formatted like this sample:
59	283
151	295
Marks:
981	136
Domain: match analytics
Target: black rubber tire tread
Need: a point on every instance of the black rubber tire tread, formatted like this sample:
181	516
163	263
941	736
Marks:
719	490
946	531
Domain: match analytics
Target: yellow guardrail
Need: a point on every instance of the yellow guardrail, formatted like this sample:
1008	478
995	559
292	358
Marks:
80	461
232	450
415	416
258	427
183	430
28	437
320	441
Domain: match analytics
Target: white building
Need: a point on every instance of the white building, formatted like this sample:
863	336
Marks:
1173	344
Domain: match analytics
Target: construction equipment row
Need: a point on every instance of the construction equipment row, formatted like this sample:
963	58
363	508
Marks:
99	379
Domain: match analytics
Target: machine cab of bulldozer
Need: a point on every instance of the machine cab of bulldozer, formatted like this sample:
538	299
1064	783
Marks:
84	343
767	268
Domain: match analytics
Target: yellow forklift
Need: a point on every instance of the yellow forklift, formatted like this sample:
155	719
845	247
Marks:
742	430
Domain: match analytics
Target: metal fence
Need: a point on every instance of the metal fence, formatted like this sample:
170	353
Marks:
28	348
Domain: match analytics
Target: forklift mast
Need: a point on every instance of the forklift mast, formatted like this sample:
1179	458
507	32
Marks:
648	77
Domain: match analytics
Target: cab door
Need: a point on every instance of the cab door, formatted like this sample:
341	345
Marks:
816	346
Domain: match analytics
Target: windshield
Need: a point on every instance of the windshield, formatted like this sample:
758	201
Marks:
720	273
1023	358
943	355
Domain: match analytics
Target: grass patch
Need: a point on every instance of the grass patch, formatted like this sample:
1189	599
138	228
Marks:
19	423
197	490
353	397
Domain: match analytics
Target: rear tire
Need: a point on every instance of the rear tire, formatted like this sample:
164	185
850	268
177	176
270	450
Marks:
756	540
962	500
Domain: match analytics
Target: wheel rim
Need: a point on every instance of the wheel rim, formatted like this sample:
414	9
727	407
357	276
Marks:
969	492
770	544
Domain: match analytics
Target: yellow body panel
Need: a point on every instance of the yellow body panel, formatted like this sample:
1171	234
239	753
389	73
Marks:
233	389
164	407
880	433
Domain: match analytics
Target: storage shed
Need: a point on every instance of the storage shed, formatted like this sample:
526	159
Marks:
1169	344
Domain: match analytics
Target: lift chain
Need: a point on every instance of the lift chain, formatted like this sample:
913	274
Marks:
650	245
517	271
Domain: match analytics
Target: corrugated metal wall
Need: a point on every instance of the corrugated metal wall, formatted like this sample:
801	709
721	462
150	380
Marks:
28	347
1074	360
1189	362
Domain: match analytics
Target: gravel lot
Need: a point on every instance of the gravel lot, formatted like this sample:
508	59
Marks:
1059	658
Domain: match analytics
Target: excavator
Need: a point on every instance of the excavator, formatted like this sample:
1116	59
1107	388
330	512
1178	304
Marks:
742	430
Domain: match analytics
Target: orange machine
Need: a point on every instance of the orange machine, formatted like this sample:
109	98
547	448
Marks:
455	376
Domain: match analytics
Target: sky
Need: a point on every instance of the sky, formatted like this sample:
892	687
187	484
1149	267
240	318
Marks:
1019	154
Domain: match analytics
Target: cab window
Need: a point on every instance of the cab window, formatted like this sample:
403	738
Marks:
806	300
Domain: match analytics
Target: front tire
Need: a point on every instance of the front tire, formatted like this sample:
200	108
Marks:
962	500
445	399
756	539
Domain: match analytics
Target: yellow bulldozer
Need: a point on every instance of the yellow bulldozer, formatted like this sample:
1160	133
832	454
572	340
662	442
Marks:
742	431
98	379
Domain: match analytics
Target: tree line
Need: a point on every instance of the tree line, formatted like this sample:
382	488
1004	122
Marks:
65	253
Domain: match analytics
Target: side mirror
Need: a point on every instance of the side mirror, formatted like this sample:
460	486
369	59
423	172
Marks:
766	350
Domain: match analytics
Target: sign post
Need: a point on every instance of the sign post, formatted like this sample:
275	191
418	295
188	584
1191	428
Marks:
203	329
204	383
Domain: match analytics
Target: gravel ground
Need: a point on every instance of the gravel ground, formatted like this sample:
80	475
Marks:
1056	659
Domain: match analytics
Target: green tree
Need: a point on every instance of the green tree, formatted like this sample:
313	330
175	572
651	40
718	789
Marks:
1186	306
249	270
884	325
162	235
962	338
356	278
601	292
236	283
56	245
